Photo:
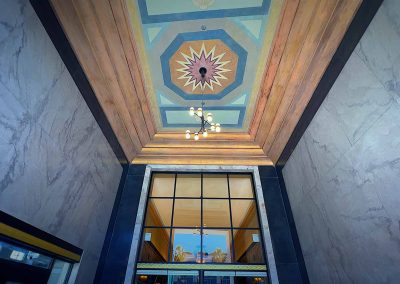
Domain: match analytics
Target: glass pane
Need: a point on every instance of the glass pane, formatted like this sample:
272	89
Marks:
248	248
155	245
188	185
241	186
215	186
251	280
244	214
159	212
216	213
59	272
152	277
187	213
219	277
186	245
183	277
217	246
163	185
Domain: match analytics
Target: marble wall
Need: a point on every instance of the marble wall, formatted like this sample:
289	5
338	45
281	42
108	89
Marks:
343	179
57	171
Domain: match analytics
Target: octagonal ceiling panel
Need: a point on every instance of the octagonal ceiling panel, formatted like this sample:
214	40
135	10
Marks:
230	38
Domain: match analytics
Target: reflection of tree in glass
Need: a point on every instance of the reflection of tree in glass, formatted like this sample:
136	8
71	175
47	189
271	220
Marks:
179	254
218	255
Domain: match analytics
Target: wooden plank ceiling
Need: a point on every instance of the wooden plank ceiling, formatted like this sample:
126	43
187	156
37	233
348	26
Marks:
308	34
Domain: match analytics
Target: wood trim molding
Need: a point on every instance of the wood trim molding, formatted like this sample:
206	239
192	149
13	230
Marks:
306	39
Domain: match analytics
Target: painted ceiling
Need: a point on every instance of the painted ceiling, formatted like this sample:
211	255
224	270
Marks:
230	38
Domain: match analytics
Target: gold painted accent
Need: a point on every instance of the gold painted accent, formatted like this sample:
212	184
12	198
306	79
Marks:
202	266
37	242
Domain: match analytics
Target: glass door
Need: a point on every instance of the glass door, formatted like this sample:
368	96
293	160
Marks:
200	276
167	277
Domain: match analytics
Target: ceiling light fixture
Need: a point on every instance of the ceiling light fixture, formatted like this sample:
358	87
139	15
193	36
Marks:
206	120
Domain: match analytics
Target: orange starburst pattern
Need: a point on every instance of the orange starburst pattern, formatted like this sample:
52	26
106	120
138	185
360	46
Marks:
213	63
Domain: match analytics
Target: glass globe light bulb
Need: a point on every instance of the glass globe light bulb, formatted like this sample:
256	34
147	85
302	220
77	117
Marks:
218	127
191	111
209	117
196	136
205	133
200	112
212	127
187	134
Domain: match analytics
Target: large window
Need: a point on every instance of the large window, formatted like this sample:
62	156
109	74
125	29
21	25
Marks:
201	218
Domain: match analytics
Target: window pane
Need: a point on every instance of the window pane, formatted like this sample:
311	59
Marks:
155	245
151	276
251	279
244	214
217	246
188	185
241	186
59	272
163	185
187	213
215	186
159	212
183	277
185	245
216	213
248	248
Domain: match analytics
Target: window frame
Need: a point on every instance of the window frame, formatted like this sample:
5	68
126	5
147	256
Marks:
230	228
260	203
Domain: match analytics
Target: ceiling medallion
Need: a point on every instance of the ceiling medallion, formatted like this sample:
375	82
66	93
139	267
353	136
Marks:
209	60
206	121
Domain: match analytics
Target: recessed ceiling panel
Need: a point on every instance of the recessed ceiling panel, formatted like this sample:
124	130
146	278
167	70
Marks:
230	38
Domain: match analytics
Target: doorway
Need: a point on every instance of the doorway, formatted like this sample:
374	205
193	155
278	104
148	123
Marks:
200	277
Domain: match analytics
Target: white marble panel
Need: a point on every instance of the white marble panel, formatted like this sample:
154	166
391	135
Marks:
381	170
379	47
57	170
357	99
373	258
348	222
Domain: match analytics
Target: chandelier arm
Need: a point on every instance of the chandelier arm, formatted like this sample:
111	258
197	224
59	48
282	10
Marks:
207	123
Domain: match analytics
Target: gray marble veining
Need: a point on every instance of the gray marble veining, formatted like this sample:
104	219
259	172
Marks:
343	177
57	170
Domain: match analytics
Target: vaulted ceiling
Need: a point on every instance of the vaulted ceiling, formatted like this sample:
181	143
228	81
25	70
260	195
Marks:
264	59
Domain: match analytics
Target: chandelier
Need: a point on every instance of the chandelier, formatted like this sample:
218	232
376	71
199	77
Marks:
206	121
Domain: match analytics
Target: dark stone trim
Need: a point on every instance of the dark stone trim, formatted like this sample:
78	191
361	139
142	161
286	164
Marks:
292	226
358	26
33	231
111	225
116	248
53	28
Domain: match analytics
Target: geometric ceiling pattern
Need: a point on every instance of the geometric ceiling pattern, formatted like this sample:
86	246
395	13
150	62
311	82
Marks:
230	38
264	61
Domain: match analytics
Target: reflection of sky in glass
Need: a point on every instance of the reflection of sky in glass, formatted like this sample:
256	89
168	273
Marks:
189	241
211	242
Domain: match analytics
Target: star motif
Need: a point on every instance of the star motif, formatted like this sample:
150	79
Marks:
193	62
